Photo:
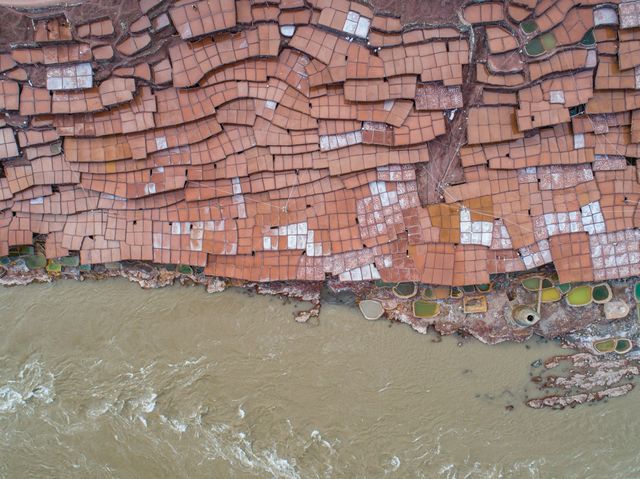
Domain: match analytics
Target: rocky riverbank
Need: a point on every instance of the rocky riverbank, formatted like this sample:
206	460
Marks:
149	276
591	376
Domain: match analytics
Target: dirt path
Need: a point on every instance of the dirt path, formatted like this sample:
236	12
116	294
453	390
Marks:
24	4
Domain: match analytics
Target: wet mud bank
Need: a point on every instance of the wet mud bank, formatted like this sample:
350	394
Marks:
485	313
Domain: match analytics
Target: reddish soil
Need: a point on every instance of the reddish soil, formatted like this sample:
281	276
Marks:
444	168
15	28
421	11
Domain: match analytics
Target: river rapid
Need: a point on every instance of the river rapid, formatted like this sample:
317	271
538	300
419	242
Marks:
104	379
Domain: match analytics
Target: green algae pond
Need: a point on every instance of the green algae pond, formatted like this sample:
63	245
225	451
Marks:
551	295
533	283
618	345
548	41
579	296
35	261
425	309
564	287
589	39
405	290
534	47
529	26
605	345
601	293
623	345
544	43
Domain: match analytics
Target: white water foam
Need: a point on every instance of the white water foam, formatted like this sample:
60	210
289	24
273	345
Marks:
235	448
175	424
99	410
33	385
10	399
394	464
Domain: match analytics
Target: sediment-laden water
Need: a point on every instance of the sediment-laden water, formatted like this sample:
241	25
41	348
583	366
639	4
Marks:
103	379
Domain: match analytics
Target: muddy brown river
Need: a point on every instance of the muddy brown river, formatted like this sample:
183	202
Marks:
104	379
